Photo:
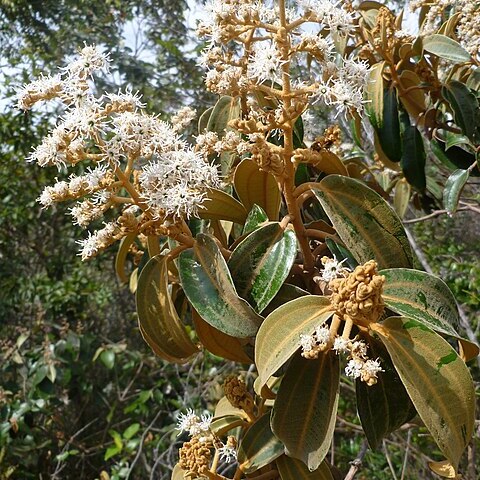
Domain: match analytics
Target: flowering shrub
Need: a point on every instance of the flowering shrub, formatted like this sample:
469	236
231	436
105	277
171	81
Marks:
268	249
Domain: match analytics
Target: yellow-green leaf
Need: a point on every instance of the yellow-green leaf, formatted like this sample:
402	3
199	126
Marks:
445	47
375	95
366	224
401	197
293	469
305	409
159	322
437	380
255	186
279	335
259	446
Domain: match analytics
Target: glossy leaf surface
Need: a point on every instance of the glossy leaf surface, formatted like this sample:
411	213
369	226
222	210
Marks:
437	380
256	216
413	158
208	286
425	298
261	262
305	409
219	205
259	446
453	189
366	224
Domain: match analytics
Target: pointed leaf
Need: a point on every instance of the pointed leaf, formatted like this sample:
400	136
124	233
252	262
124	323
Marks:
209	287
465	107
453	189
217	342
389	132
279	336
255	186
414	100
445	47
374	107
366	224
256	216
425	298
121	256
413	158
305	409
286	293
219	205
401	197
385	406
159	322
437	380
261	262
293	469
259	446
220	426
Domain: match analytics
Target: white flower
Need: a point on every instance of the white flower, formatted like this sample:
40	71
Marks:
227	453
191	423
322	334
340	345
354	368
307	342
43	88
175	183
333	269
90	60
355	72
265	63
93	177
51	151
346	96
372	367
359	349
128	98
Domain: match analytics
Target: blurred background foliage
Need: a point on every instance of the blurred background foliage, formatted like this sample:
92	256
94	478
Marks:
81	395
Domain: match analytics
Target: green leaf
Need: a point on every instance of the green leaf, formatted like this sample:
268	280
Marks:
257	187
221	426
286	293
437	380
159	322
389	132
219	205
208	285
384	406
464	105
445	47
107	357
279	335
401	197
453	189
261	262
341	253
131	431
255	218
203	120
424	297
454	139
453	158
305	409
413	158
374	106
259	446
366	224
293	469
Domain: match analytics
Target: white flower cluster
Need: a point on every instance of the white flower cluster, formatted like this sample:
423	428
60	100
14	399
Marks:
123	143
332	269
193	424
358	366
174	183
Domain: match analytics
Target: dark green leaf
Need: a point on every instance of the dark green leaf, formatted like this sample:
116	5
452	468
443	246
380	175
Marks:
259	446
305	409
292	469
389	132
413	158
261	263
209	287
255	218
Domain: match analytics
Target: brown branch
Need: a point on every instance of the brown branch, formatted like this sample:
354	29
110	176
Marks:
356	464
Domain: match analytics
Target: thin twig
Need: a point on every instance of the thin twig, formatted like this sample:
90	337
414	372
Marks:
142	440
436	213
389	461
356	464
407	451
